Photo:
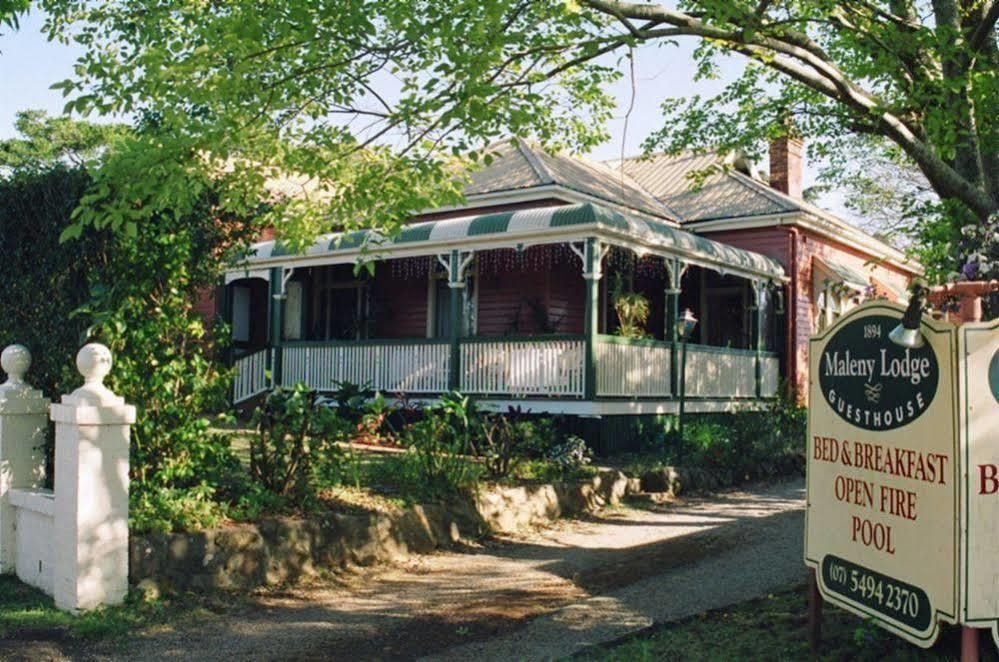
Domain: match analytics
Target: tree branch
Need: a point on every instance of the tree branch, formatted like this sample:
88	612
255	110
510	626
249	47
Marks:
986	28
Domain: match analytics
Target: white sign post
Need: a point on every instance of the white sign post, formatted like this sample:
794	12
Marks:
881	519
978	353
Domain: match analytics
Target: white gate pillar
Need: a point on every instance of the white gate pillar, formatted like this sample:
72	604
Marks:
91	489
23	414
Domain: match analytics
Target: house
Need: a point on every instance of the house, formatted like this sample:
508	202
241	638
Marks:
510	297
831	265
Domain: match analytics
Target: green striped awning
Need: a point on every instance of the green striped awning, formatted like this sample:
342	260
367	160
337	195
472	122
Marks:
529	226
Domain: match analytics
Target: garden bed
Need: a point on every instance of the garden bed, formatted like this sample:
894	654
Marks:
281	549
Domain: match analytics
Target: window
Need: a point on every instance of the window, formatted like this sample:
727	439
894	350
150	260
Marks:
240	313
339	305
439	304
726	316
293	311
831	295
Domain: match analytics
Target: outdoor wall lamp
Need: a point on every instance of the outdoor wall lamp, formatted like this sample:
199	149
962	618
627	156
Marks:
907	333
685	323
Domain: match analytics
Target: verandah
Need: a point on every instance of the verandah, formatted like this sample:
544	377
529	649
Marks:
451	338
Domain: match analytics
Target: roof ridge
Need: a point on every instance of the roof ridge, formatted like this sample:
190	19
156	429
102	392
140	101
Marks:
625	178
532	159
638	184
662	154
760	188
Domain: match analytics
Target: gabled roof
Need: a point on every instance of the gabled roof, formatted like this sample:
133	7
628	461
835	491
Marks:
724	192
518	165
516	229
730	194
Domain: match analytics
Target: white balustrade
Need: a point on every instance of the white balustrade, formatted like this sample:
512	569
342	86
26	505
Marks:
388	367
522	367
720	373
251	375
72	541
633	369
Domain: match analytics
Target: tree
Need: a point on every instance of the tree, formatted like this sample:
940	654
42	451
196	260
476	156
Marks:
364	106
136	294
925	77
10	10
47	141
328	113
918	80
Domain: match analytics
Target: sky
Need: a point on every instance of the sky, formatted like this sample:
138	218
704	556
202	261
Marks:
29	65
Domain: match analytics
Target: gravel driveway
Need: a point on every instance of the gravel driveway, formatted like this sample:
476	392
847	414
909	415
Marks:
537	595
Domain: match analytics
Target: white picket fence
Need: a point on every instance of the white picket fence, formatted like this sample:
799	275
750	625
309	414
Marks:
251	375
640	369
523	367
388	367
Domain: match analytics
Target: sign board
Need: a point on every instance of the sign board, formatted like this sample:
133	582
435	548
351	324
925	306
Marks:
978	354
881	519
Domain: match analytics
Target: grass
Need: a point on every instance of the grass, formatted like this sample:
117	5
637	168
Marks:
776	628
29	614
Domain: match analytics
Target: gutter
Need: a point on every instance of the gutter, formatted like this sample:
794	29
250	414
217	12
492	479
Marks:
793	235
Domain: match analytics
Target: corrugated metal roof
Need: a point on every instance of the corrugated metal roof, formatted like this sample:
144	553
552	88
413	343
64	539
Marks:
723	193
516	224
846	275
520	165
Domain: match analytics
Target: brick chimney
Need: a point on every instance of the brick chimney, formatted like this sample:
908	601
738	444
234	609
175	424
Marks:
785	165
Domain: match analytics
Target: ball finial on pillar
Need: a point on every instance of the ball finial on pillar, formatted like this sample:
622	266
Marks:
15	361
94	363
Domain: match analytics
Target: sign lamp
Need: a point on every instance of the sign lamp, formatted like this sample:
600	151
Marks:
907	333
685	323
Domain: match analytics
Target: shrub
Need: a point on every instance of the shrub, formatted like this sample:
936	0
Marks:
505	440
747	445
571	455
436	457
176	509
295	439
439	445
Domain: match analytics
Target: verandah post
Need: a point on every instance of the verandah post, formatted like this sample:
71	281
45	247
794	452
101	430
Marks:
456	284
275	322
674	273
759	290
591	273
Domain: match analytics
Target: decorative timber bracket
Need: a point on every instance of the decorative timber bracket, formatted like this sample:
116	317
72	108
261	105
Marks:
675	268
592	268
456	265
285	277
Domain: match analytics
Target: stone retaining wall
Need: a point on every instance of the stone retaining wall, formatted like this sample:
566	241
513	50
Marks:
284	549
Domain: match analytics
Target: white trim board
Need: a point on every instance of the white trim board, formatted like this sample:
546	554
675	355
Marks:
598	408
877	249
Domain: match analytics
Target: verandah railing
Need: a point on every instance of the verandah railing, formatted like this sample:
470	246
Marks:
391	366
726	372
632	368
552	366
251	375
